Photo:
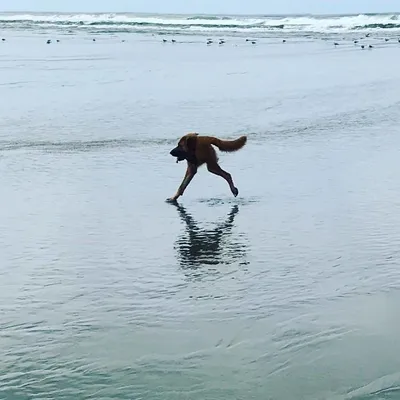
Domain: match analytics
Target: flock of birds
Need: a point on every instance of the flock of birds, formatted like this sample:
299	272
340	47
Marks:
363	46
252	41
49	41
221	41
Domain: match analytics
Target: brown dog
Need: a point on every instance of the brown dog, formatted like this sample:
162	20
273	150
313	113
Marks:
198	150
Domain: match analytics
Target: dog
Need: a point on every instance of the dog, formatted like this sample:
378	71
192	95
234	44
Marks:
198	150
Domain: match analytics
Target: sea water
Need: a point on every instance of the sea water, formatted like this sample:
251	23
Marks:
289	291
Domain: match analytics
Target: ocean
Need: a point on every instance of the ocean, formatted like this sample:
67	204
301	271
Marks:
232	25
289	291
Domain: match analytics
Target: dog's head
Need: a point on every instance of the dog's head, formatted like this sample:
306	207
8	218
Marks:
186	148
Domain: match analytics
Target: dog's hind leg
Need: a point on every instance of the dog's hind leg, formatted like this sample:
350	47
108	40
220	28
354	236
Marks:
189	175
214	168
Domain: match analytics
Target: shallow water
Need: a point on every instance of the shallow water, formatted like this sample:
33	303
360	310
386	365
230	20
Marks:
287	292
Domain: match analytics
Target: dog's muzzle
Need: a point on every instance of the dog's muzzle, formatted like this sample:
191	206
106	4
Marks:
178	153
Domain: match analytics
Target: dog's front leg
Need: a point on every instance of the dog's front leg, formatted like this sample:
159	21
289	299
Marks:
190	173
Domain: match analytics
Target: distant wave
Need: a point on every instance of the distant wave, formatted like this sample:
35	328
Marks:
208	17
199	23
378	26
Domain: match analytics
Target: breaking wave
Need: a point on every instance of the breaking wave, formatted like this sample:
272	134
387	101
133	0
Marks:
200	23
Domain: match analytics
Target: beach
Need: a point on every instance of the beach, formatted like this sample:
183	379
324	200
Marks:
288	291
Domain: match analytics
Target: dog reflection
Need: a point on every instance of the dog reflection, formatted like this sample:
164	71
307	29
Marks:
208	246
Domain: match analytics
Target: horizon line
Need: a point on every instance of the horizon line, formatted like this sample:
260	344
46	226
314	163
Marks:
207	14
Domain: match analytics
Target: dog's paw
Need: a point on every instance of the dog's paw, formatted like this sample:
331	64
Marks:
235	191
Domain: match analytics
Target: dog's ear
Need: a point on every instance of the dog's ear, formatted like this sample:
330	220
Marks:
191	142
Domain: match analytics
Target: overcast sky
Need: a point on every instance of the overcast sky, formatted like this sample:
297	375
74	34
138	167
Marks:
206	6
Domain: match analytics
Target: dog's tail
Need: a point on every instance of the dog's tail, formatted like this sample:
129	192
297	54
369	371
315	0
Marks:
229	145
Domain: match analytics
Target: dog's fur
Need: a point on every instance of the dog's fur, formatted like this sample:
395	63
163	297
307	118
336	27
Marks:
198	150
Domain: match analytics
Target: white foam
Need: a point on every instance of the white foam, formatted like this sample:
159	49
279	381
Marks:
234	23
